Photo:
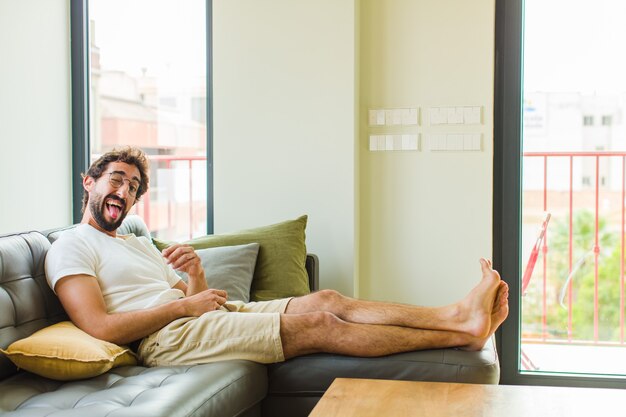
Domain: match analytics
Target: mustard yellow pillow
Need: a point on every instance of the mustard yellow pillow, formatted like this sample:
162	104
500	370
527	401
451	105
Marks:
64	352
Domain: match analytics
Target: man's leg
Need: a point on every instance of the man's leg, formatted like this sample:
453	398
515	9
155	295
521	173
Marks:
472	315
323	331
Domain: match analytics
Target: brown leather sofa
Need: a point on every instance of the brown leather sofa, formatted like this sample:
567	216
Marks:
230	388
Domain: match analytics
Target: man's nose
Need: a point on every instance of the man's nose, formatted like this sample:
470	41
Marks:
123	190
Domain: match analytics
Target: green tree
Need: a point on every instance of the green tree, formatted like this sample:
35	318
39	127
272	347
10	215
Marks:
609	290
582	278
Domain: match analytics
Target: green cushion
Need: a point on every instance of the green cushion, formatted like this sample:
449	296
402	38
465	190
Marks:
280	268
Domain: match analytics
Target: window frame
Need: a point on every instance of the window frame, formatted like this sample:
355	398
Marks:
80	83
507	199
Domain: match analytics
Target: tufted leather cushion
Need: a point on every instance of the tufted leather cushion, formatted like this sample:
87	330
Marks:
219	389
26	302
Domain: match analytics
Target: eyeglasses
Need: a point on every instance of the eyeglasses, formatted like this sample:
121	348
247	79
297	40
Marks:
117	180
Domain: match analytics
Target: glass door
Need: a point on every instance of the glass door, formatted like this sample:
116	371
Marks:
573	158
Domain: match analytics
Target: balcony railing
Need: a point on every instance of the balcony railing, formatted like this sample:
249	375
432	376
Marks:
174	208
582	262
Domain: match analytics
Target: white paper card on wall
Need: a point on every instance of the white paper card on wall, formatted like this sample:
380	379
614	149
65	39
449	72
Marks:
388	116
372	117
382	143
454	142
376	117
380	117
467	142
467	115
472	142
451	112
397	142
373	142
437	142
472	115
409	116
459	115
405	142
393	117
409	142
455	115
442	142
477	142
442	116
396	117
476	115
389	142
433	116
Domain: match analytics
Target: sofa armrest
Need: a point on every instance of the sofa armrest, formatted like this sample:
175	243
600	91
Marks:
312	266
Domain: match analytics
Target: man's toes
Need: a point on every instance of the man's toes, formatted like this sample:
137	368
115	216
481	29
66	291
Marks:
501	295
483	263
504	289
485	267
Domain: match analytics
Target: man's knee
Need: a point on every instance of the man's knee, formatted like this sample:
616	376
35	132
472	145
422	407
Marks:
324	319
328	297
323	300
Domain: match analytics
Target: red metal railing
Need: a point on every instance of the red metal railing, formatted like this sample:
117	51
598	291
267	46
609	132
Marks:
566	206
164	225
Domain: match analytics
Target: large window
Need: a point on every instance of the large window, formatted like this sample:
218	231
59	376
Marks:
141	77
560	148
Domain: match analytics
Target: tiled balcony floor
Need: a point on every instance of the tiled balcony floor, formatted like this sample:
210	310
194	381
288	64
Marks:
585	359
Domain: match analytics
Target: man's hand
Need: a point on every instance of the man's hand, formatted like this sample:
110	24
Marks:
183	258
203	302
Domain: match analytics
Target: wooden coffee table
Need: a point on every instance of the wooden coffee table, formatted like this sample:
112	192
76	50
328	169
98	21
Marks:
370	397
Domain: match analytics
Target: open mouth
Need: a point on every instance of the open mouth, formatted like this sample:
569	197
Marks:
114	208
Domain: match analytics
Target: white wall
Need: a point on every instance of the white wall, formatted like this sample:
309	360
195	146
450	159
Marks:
284	89
425	216
34	115
408	227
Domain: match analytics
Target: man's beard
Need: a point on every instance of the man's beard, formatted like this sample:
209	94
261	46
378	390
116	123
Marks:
97	208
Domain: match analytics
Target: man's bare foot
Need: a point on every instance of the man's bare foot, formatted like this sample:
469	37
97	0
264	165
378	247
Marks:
498	315
475	310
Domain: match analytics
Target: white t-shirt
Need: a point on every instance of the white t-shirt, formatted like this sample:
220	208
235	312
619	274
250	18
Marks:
131	272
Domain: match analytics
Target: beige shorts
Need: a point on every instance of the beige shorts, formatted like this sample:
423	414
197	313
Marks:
238	330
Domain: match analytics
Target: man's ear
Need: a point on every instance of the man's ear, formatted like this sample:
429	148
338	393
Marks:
88	183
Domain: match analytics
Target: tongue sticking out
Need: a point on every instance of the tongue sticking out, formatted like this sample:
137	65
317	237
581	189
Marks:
114	211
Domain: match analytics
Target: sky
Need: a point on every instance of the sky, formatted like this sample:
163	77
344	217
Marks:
167	37
575	46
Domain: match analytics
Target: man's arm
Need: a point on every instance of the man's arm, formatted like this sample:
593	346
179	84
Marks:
82	299
184	258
